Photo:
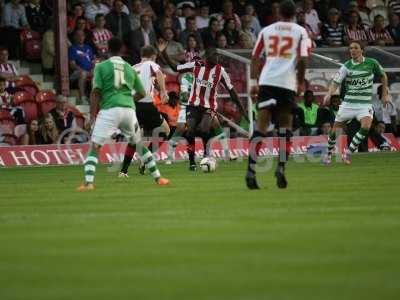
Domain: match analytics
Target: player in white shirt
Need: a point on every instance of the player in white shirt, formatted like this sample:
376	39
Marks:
286	46
149	118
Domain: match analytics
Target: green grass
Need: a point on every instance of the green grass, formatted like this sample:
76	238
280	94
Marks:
333	234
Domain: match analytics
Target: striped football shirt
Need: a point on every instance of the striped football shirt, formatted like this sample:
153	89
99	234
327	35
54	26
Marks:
358	79
205	83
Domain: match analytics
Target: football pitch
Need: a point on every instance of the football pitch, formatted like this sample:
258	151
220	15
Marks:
333	234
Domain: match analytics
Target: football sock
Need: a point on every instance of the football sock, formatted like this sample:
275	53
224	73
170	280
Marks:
90	166
172	143
129	153
358	138
149	162
191	149
284	147
254	147
220	134
331	142
206	137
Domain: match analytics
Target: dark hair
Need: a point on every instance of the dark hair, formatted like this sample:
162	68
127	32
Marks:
173	99
190	18
148	51
360	43
114	45
194	37
287	9
81	18
2	79
378	16
98	16
379	91
308	92
212	19
2	48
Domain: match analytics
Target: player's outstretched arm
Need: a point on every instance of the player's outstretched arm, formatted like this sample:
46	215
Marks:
95	96
301	74
161	83
385	90
331	90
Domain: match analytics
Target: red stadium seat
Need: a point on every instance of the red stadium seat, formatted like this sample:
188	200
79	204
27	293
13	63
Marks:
7	122
46	101
173	87
28	103
25	83
171	78
31	42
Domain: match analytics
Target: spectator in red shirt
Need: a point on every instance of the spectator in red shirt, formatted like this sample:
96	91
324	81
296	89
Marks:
354	30
378	34
6	103
77	11
7	69
192	48
101	35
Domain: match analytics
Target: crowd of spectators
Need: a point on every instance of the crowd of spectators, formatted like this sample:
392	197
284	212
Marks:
188	26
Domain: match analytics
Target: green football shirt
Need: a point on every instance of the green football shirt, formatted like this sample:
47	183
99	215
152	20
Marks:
117	81
358	79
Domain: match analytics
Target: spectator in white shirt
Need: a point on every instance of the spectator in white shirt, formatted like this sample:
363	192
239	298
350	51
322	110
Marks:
312	18
95	8
203	18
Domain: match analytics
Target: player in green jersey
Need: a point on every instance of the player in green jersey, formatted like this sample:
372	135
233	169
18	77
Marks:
357	74
114	82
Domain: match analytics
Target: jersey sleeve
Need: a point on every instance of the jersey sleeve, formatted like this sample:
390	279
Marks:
259	46
340	75
97	78
188	67
378	69
225	79
154	68
305	44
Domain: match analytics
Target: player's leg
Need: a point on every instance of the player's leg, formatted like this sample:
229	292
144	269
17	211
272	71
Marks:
205	129
130	128
362	134
193	115
285	121
332	140
220	134
104	127
265	106
173	141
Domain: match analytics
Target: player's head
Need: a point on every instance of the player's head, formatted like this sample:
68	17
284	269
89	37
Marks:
211	56
308	97
173	99
335	102
148	52
356	49
380	127
287	9
115	46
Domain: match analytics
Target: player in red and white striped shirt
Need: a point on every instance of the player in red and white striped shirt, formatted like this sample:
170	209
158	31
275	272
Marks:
101	35
202	102
7	69
287	46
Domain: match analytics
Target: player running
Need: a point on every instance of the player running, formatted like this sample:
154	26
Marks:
186	83
202	105
357	74
287	47
114	82
149	117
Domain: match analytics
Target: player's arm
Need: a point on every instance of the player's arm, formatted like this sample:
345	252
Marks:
335	84
255	65
95	96
305	46
161	84
384	80
140	93
226	81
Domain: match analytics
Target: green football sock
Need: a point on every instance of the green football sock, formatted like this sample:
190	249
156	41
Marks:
358	138
90	166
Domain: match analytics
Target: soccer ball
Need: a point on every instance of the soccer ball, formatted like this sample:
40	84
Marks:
208	164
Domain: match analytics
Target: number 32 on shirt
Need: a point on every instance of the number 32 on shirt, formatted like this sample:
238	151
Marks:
279	47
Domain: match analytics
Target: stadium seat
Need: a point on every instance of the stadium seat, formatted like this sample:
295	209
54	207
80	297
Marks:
25	83
31	42
7	122
46	100
171	78
28	103
173	87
